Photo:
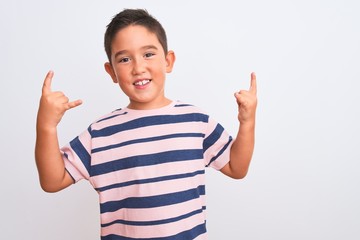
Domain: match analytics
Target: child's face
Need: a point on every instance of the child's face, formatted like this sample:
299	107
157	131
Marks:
139	65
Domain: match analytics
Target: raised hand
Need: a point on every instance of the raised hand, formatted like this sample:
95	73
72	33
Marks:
247	102
53	105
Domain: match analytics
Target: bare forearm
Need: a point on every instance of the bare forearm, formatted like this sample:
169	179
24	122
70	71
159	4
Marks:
242	150
49	160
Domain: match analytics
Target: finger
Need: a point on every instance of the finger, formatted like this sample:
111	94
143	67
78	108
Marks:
239	97
253	86
62	99
47	82
73	104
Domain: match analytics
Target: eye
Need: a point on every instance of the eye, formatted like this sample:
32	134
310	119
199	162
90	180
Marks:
149	55
124	60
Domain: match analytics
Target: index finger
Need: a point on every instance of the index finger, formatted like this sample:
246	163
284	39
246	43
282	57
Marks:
253	86
47	82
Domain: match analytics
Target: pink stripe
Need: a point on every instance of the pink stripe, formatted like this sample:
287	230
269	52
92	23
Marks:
146	148
202	237
151	189
74	172
145	132
153	214
154	230
147	172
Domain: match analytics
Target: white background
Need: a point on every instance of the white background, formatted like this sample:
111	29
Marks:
304	179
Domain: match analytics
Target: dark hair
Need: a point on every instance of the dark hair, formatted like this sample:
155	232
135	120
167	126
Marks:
133	17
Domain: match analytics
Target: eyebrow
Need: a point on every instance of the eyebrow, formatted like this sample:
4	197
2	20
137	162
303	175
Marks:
121	52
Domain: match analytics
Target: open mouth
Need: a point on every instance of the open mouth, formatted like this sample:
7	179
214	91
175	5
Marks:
142	82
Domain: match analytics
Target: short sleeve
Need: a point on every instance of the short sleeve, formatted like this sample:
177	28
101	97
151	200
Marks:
216	146
77	156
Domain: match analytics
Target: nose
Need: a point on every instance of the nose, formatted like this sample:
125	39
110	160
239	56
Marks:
139	67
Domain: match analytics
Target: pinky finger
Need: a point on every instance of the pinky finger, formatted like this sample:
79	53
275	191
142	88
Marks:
238	97
73	104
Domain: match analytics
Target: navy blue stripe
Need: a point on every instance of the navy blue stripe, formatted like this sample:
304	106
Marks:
149	121
183	105
112	116
150	180
80	150
151	139
221	151
157	222
213	137
146	160
186	235
153	201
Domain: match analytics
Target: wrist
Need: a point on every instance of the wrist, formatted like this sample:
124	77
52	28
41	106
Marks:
247	123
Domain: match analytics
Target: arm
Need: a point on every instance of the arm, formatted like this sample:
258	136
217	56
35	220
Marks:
50	165
243	146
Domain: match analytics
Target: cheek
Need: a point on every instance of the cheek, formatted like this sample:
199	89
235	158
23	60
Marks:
161	70
123	83
125	88
122	75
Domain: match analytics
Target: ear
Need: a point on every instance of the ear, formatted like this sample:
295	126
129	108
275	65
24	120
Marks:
170	60
109	69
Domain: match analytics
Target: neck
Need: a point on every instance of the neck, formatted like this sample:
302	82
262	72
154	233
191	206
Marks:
149	106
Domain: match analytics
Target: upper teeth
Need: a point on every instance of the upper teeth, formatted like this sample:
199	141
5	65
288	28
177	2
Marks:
140	83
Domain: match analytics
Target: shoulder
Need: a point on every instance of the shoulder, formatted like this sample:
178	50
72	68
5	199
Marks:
109	119
185	106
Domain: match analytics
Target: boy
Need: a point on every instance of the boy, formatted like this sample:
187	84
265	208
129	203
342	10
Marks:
147	160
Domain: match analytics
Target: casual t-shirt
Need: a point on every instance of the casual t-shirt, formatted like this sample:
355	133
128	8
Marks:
148	168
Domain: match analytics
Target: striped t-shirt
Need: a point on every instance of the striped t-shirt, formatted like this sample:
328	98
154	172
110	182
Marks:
148	167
